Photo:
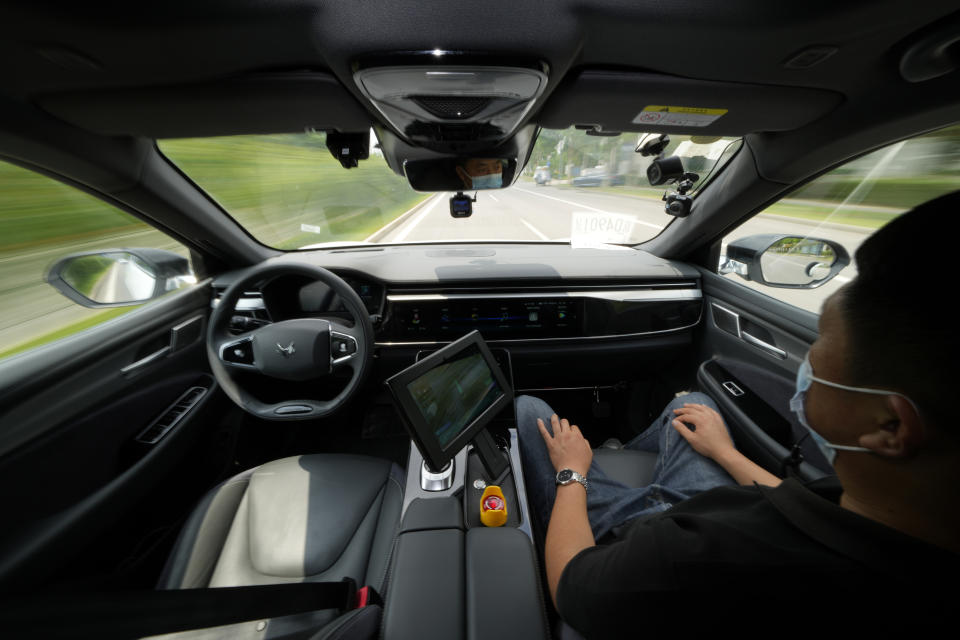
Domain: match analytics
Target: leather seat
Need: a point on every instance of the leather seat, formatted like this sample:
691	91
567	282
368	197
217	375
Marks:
305	518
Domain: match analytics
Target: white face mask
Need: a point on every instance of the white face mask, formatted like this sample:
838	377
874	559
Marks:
805	378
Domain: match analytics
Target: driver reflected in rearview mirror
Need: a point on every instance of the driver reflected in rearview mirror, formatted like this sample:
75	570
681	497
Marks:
480	173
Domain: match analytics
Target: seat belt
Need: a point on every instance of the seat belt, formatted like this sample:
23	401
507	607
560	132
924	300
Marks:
134	614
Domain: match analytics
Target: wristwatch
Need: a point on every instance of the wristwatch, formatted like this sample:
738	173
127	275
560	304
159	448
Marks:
569	476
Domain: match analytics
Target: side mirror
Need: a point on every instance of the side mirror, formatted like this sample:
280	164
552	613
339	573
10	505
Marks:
119	277
785	261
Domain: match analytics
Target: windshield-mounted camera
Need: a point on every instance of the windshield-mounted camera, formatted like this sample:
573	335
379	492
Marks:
461	206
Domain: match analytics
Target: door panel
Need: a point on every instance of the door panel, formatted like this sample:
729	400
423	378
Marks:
71	413
751	347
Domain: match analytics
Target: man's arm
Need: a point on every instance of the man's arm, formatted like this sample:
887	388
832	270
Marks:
709	437
569	531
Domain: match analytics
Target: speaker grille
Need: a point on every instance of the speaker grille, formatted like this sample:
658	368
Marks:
452	107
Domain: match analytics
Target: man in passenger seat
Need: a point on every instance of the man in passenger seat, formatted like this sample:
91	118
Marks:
873	391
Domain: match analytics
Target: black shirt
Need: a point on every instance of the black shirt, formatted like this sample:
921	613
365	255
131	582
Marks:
752	553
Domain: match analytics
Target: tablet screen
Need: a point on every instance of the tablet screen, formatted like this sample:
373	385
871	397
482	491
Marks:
453	394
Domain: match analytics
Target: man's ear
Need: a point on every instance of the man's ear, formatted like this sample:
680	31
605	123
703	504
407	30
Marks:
902	436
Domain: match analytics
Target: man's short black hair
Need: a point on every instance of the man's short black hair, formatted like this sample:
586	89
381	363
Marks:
898	311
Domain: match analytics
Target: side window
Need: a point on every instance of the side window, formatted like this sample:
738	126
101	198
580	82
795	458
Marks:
71	261
796	239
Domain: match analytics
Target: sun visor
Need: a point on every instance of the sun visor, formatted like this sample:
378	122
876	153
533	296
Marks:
262	103
634	101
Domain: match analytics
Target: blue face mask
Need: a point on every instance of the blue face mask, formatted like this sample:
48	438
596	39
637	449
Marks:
489	181
805	378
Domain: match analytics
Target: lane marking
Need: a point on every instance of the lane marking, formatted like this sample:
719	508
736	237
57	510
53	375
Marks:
405	231
397	222
536	231
494	198
584	206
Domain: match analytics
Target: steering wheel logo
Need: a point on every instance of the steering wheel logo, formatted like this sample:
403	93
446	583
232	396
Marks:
286	351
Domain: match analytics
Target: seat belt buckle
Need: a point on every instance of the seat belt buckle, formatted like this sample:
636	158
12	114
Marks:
367	596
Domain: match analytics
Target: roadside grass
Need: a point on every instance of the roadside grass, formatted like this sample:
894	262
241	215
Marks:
823	213
900	193
37	211
67	330
288	191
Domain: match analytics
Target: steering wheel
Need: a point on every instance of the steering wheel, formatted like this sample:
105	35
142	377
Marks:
297	350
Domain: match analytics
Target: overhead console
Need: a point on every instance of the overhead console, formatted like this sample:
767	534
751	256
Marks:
445	98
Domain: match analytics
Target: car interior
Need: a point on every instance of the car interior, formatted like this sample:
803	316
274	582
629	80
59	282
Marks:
240	431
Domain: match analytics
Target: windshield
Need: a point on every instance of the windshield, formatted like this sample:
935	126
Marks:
290	193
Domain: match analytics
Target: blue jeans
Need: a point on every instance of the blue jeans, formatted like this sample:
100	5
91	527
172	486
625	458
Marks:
680	472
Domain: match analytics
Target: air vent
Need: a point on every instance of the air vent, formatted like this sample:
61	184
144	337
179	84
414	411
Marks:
452	107
172	416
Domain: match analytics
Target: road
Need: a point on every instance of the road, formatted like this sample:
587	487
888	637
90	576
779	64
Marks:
524	213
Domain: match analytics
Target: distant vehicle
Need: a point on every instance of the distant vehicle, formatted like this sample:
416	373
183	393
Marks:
589	181
542	175
617	181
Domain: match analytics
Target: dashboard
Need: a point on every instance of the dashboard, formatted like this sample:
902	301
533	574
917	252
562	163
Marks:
511	293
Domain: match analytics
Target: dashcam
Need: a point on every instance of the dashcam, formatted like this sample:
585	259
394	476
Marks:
461	206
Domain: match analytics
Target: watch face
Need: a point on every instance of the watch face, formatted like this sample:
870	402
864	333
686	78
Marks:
565	476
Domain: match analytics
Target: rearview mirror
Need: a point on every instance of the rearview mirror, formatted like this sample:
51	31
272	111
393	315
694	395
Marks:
460	174
119	277
785	261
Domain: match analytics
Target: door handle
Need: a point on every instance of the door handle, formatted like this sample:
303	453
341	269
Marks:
766	346
145	361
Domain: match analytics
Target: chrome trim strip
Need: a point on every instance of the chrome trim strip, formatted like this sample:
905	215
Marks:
493	342
623	295
488	291
734	390
437	480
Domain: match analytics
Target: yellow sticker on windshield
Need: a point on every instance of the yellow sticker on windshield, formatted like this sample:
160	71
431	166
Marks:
678	116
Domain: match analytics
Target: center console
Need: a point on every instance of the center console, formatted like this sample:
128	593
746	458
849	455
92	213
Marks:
451	576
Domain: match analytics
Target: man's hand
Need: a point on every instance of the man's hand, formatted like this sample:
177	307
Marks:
709	436
567	447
